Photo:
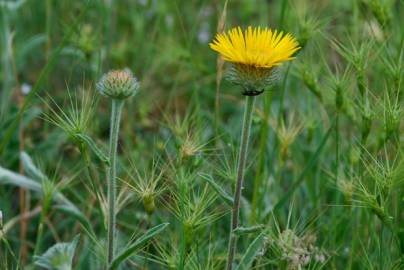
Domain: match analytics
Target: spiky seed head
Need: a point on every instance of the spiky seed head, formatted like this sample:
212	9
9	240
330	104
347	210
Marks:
148	203
188	149
118	84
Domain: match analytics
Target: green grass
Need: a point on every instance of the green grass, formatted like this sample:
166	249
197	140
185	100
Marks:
324	178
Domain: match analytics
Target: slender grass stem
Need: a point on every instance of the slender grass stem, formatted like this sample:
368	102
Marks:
116	112
381	261
44	213
245	134
337	194
8	247
183	241
255	211
39	234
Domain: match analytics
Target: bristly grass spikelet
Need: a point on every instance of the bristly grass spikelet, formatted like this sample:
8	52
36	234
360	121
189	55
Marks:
75	119
147	185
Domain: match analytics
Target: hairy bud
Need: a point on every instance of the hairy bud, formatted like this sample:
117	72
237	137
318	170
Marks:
118	84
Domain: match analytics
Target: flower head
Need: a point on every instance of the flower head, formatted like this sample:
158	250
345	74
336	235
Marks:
118	84
255	53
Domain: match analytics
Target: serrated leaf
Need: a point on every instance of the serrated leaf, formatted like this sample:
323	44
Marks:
251	253
131	249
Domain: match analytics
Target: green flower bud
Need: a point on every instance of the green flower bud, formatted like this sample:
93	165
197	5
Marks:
118	84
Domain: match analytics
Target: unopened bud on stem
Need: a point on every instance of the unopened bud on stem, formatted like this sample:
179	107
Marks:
118	84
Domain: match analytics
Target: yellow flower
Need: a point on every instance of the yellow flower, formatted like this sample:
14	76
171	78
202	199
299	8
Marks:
260	48
254	53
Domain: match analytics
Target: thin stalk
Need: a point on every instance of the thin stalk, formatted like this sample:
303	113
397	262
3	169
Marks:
7	81
381	261
48	51
93	180
110	9
337	193
8	247
261	159
245	134
23	193
336	148
116	112
44	213
217	106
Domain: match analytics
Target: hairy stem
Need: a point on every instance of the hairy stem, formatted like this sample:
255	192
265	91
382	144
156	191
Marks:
245	134
113	144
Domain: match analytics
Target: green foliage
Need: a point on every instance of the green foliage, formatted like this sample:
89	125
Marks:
251	252
59	256
323	185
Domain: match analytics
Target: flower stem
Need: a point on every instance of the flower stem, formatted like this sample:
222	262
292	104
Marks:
113	144
245	134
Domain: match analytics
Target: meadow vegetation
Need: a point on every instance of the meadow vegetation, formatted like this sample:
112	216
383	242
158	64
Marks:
120	130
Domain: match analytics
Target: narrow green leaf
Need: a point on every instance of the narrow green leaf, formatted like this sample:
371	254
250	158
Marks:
219	190
252	252
310	164
66	206
27	48
246	230
128	251
77	214
30	168
93	146
8	177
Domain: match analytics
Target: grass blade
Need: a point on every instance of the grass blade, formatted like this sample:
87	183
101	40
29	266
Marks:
252	252
219	190
93	146
128	251
309	165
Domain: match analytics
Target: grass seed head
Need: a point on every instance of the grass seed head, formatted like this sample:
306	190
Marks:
297	251
392	113
75	118
147	185
287	134
309	76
